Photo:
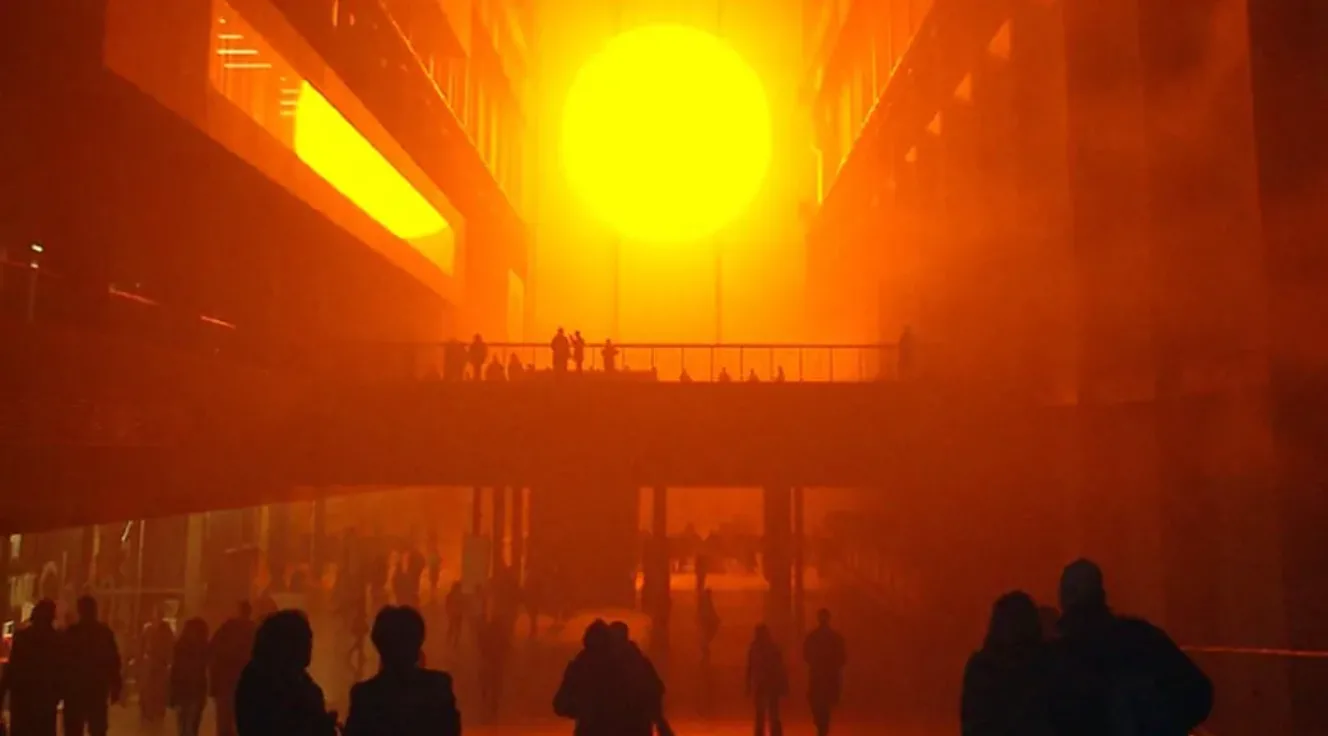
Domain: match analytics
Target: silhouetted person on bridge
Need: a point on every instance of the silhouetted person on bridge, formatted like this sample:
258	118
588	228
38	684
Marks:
578	351
610	355
908	354
228	652
515	370
404	698
595	691
823	651
684	377
1117	675
646	683
779	375
455	605
275	695
562	351
1007	683
477	354
188	688
495	640
34	675
94	671
454	360
495	371
724	376
766	680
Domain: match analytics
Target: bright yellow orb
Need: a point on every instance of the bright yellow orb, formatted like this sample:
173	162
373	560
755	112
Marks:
666	133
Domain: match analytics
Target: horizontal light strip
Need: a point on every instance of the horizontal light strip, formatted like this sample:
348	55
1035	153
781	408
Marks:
246	65
230	36
237	52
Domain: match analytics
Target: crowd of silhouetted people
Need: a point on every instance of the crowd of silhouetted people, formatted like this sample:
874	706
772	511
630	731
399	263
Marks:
1084	672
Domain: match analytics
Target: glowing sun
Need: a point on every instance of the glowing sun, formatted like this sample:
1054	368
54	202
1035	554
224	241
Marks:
666	133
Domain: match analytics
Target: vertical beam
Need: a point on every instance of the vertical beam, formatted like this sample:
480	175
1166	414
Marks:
477	510
656	587
318	553
1288	70
799	561
777	560
1112	238
517	531
499	524
4	576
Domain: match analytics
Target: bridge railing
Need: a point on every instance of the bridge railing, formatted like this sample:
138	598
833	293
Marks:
661	361
1264	690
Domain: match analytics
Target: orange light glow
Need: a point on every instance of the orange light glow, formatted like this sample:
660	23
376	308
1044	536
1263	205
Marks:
333	148
666	133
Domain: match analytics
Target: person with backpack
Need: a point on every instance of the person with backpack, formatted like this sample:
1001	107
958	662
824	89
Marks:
1116	675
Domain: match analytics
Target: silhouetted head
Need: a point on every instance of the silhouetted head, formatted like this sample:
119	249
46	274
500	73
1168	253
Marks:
43	613
398	635
621	634
195	632
284	642
1014	623
477	338
823	617
87	609
763	633
1082	587
244	610
560	331
597	635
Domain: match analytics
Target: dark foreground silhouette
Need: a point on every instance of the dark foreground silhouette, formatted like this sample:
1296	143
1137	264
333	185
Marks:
610	688
403	699
1100	675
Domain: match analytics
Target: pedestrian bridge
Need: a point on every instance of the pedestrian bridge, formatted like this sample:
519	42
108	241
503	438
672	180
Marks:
95	428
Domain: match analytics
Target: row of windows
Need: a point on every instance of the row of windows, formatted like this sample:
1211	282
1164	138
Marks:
863	62
494	126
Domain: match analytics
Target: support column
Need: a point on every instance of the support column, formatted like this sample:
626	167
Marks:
318	551
499	525
799	562
777	560
517	530
655	588
4	575
477	510
1113	238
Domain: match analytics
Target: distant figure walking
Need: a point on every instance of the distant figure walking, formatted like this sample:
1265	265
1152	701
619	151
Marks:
228	652
562	351
1007	682
1114	674
275	695
404	698
34	674
578	350
188	690
824	652
455	603
766	680
477	354
707	622
610	354
495	371
155	670
724	376
94	672
779	375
